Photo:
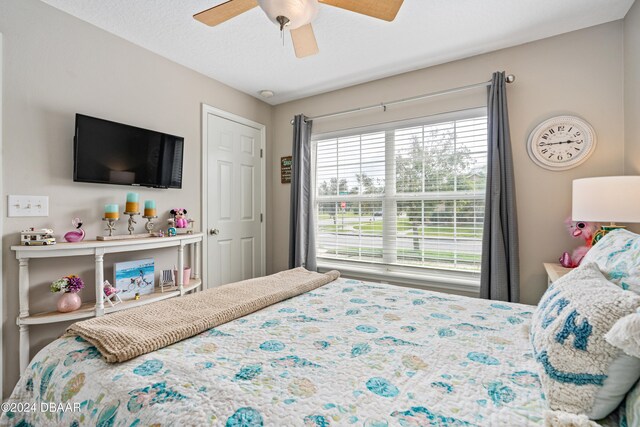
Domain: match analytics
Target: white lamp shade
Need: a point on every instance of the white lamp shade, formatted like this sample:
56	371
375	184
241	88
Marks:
606	199
299	12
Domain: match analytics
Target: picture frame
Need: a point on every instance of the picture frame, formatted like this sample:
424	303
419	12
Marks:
285	169
133	279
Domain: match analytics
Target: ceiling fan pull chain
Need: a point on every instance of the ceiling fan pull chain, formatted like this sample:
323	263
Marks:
282	20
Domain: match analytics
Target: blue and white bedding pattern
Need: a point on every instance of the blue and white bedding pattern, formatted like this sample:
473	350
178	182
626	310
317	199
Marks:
348	353
618	256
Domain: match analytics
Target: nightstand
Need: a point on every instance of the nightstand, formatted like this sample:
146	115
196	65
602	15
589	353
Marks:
555	271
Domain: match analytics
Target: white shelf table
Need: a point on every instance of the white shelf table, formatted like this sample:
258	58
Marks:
554	271
98	249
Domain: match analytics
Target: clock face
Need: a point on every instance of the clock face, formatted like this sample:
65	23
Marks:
561	142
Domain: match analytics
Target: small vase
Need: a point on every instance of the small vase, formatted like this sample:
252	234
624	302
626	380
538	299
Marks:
186	276
69	301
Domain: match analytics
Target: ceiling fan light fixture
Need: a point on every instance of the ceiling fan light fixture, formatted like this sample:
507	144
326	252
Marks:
298	12
283	21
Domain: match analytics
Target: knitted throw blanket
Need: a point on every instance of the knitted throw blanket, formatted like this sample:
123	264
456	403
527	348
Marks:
130	333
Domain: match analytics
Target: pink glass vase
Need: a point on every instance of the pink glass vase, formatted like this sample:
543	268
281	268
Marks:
69	301
186	276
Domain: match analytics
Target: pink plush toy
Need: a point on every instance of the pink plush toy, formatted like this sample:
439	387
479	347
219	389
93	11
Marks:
180	217
583	230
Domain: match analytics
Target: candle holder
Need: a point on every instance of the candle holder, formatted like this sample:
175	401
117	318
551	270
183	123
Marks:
131	221
149	225
111	225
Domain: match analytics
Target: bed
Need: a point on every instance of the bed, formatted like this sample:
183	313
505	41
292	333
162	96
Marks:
299	348
348	353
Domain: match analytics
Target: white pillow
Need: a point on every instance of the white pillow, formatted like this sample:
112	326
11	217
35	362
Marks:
625	334
618	256
580	372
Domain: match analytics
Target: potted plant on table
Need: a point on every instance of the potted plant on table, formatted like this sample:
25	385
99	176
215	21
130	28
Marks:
69	286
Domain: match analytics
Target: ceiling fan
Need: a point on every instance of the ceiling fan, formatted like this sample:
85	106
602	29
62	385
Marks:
297	15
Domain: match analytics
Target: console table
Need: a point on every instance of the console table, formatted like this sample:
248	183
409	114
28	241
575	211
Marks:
98	249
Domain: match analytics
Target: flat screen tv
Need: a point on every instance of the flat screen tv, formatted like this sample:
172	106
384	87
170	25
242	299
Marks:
114	153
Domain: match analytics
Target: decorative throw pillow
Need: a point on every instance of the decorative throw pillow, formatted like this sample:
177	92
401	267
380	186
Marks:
625	334
580	372
618	256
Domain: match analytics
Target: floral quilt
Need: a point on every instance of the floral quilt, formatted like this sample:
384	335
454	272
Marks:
348	353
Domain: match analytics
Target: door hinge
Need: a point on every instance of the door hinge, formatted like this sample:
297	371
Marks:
261	152
260	217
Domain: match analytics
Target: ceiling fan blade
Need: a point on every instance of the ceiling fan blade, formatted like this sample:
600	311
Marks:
224	11
304	41
381	9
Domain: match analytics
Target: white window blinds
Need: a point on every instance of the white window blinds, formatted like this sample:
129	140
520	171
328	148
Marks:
409	194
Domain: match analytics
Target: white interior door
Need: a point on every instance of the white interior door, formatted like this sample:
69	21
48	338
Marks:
234	197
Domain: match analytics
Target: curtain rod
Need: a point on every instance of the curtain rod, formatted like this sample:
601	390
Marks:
509	79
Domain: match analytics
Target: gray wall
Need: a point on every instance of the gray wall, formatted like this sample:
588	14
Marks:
577	73
632	90
54	66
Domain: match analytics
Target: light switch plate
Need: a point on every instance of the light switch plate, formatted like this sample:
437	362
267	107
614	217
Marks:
28	206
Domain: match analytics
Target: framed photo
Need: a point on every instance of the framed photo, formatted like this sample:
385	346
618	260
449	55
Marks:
134	277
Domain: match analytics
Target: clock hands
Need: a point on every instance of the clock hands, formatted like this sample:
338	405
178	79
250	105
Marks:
559	142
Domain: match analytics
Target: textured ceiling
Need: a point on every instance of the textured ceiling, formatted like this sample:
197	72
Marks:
247	53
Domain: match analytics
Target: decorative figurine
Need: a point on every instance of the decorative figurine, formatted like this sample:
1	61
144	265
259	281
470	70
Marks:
111	294
180	217
111	215
131	221
579	230
37	237
76	235
132	208
171	231
111	226
149	214
180	222
168	280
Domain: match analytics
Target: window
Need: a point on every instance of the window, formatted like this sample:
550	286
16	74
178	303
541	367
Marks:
409	194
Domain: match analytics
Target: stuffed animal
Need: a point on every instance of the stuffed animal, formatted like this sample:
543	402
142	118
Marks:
579	230
180	217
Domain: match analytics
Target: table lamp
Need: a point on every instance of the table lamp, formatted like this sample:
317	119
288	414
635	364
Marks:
606	199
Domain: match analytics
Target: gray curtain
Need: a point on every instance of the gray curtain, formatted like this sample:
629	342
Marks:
500	275
302	245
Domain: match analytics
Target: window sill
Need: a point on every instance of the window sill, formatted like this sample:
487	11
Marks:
436	280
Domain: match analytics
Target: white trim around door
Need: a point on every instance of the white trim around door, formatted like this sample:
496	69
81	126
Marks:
207	109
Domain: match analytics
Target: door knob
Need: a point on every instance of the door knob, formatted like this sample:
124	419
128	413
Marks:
214	231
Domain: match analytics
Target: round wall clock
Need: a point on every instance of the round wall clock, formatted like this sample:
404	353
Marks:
561	142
